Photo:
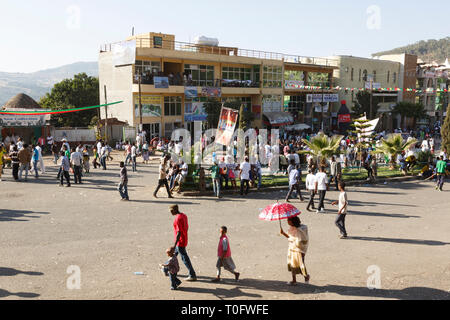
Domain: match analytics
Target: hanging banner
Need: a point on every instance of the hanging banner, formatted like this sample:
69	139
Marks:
227	125
293	84
193	111
151	106
331	97
211	92
7	120
161	82
190	92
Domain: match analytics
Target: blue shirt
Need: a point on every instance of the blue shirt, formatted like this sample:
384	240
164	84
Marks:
35	154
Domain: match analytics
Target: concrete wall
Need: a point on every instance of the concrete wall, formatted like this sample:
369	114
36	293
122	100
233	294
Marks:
119	85
342	75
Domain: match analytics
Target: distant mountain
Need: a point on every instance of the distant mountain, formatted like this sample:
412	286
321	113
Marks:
37	84
428	51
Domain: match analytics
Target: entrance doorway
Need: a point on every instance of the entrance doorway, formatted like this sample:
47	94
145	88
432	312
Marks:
153	129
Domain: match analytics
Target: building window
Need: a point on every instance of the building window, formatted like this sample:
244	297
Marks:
170	127
240	77
351	74
172	106
294	104
364	75
199	75
394	77
374	76
388	76
272	77
147	69
359	75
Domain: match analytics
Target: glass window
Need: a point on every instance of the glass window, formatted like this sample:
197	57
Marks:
201	75
147	69
172	106
273	77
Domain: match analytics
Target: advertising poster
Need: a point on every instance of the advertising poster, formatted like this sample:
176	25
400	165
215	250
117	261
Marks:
151	106
211	92
161	82
190	92
194	111
227	125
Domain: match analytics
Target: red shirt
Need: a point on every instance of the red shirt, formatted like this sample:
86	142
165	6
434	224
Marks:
180	224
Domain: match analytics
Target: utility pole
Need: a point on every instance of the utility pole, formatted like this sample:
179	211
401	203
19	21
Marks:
140	103
106	116
371	98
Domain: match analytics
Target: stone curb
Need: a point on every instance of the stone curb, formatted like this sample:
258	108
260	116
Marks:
276	188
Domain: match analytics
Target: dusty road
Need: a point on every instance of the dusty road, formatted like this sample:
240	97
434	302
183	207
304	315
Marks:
402	229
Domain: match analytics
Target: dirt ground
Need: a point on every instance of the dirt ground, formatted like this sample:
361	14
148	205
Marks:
402	229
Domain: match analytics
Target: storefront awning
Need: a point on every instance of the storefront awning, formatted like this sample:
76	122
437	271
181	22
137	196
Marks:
279	118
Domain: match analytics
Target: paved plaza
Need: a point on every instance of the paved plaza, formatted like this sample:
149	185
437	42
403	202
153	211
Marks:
400	229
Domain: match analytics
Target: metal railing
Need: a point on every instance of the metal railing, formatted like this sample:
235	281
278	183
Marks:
228	51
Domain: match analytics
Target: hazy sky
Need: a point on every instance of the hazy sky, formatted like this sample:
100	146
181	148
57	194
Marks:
39	34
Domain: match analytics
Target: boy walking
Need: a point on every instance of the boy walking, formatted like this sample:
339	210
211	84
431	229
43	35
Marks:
342	213
294	183
311	187
171	268
123	185
321	188
65	167
441	165
224	256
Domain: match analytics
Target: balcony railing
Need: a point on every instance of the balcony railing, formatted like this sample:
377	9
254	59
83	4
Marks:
228	51
179	80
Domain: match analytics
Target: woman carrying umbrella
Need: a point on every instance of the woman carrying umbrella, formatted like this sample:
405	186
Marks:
298	246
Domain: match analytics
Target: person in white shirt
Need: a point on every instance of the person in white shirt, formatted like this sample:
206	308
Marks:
181	176
321	188
425	145
49	142
294	182
311	187
244	175
19	144
133	156
76	158
103	155
41	160
342	213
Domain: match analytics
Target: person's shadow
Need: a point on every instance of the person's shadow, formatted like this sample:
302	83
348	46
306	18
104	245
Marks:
412	293
5	293
10	272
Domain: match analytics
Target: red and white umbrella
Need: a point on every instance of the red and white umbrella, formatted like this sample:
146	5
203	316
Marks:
279	211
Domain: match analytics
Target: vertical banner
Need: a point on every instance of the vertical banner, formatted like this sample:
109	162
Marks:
227	125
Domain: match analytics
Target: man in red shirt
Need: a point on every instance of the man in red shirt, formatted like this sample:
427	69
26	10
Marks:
180	227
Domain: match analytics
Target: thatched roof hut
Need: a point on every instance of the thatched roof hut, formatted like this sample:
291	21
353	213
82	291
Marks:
22	101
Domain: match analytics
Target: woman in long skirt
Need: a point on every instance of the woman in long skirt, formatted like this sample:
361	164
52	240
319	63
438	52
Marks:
298	246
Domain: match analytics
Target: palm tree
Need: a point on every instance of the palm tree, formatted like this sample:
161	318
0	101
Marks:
322	146
393	146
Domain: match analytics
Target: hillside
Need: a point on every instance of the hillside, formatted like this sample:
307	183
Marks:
431	50
37	84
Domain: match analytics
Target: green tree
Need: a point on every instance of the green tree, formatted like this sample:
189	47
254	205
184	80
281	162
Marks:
445	131
362	104
81	91
322	146
393	146
409	110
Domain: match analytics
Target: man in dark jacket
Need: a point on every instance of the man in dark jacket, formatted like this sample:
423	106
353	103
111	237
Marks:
24	159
